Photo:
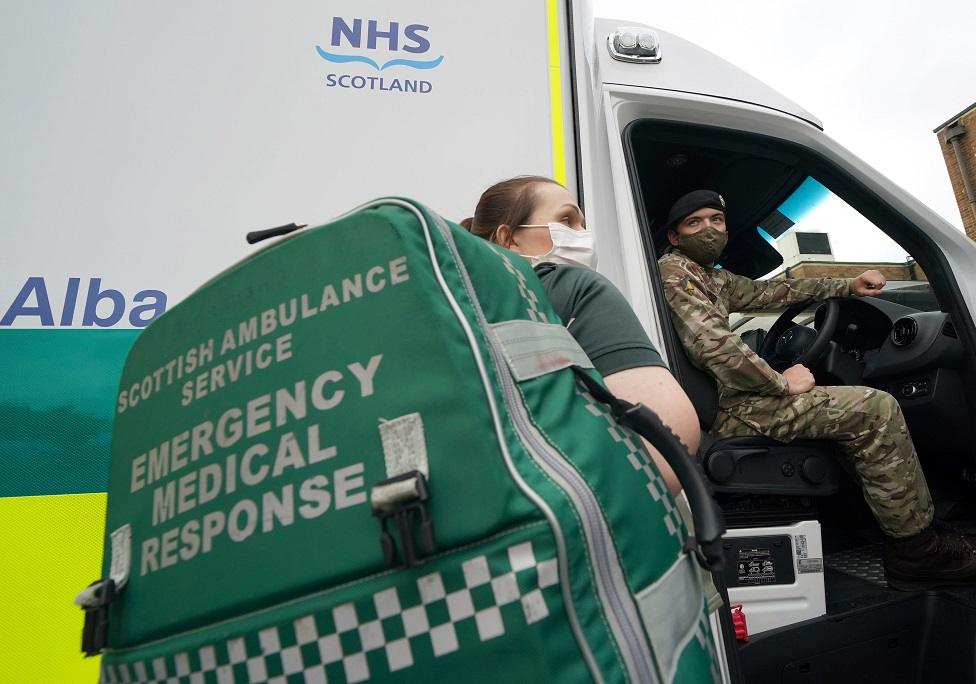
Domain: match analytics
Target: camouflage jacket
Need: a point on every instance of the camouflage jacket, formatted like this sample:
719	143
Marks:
701	299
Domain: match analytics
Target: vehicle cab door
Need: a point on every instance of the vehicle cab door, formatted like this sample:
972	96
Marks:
682	87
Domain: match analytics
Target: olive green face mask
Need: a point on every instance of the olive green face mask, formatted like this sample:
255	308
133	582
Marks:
703	247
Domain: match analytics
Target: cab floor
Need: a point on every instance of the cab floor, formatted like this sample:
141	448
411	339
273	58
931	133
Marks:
871	633
854	577
854	573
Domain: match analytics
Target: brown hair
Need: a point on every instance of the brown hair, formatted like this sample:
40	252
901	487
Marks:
509	202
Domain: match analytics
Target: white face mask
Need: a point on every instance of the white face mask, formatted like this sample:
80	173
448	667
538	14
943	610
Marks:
571	247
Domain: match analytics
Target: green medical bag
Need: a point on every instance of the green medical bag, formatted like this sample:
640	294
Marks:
363	453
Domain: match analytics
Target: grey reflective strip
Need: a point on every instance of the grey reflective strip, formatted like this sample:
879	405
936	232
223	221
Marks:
671	608
533	349
404	445
121	556
404	450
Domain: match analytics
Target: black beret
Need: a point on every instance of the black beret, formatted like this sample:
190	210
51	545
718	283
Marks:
692	202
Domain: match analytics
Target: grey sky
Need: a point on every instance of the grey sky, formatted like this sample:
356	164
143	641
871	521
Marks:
880	75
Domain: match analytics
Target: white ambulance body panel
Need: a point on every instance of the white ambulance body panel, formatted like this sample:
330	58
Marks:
141	142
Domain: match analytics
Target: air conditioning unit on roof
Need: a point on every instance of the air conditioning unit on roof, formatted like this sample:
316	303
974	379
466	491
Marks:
798	246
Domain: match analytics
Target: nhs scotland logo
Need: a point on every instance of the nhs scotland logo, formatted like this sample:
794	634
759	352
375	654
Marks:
379	46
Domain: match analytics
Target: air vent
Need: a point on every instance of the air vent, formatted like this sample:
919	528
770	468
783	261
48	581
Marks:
949	330
904	331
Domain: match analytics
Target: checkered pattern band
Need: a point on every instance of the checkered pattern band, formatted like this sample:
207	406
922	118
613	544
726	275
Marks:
531	300
638	457
379	634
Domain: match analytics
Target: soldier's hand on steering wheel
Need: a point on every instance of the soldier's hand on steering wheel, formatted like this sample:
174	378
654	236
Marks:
799	379
868	284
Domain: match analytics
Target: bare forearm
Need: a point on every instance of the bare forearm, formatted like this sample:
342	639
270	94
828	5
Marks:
656	388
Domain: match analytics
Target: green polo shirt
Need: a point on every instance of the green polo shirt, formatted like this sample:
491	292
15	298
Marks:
599	317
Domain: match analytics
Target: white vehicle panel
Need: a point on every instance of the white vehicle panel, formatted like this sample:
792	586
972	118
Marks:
140	142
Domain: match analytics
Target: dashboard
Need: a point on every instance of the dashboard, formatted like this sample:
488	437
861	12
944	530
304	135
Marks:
916	356
885	340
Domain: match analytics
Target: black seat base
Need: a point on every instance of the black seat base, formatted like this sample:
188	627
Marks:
754	465
760	465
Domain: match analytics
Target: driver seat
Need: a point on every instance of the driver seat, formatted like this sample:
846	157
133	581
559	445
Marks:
757	464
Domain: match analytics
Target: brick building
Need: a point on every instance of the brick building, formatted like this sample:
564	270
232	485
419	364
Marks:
907	282
957	138
902	272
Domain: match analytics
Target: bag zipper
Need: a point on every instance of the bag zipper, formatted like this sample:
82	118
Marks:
622	616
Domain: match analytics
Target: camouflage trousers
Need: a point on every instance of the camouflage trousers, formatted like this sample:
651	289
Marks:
869	427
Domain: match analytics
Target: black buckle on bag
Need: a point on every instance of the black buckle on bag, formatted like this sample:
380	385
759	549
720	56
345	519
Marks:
693	547
94	634
404	498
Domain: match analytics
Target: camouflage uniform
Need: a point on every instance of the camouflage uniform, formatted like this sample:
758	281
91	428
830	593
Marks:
867	423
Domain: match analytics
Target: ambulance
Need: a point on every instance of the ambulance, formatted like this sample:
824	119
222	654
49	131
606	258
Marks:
142	142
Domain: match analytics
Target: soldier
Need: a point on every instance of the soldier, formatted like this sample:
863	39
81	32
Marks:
754	399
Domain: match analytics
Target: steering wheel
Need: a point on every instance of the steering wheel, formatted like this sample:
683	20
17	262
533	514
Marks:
787	344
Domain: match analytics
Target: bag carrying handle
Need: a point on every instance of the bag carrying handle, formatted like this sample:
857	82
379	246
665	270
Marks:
709	523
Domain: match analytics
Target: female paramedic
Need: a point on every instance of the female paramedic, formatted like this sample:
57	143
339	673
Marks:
537	218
